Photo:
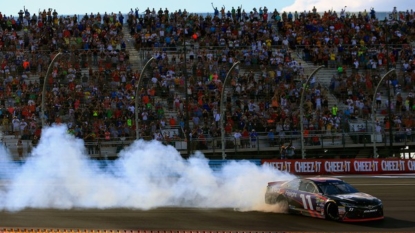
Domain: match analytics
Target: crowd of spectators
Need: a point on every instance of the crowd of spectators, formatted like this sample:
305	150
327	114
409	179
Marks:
263	93
263	41
95	104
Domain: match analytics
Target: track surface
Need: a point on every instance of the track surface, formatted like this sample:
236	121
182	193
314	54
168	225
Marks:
397	194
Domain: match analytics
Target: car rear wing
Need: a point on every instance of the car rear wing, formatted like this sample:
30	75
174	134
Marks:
276	183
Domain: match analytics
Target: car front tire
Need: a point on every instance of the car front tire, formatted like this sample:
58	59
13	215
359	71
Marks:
332	211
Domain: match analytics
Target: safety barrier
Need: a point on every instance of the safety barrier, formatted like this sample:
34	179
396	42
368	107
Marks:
330	143
296	166
343	166
216	164
8	168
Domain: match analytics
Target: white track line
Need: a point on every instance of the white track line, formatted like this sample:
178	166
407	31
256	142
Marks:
357	184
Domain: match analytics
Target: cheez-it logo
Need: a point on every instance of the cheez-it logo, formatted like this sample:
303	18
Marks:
356	166
307	167
282	166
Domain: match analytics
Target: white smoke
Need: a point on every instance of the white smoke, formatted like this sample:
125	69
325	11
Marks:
148	175
6	160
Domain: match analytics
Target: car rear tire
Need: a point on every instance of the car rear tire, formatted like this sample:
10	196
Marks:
332	211
271	199
282	204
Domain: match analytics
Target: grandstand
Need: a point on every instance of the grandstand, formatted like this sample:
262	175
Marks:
102	61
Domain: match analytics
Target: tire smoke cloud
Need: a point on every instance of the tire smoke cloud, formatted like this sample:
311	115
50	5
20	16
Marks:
60	175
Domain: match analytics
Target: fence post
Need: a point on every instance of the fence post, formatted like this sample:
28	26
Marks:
343	139
213	145
234	143
257	144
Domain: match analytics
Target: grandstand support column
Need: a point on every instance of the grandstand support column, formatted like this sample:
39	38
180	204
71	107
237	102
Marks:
389	104
302	110
187	130
45	80
137	90
373	111
222	110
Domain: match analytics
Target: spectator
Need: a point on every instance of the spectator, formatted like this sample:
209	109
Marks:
258	100
271	138
290	151
237	135
16	126
253	138
283	152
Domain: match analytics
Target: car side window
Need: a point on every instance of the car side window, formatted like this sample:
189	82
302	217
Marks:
307	186
293	185
311	188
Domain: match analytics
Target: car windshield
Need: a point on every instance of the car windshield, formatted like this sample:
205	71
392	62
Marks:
335	188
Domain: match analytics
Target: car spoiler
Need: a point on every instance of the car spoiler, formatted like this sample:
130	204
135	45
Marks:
276	183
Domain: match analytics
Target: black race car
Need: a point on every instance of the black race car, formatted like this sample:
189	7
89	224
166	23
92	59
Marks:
328	198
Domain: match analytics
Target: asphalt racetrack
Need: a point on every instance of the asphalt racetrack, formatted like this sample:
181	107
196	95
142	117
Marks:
397	194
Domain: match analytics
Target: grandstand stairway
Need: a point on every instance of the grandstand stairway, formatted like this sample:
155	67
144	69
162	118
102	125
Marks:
136	60
10	144
323	77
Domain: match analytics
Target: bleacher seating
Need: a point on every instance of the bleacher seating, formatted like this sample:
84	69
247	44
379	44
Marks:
92	85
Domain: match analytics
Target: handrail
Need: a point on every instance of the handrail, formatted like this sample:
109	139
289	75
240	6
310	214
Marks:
261	134
262	143
320	143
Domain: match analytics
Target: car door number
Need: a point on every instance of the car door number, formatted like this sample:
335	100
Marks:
307	204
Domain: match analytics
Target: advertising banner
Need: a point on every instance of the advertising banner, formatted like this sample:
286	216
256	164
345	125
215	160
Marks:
343	166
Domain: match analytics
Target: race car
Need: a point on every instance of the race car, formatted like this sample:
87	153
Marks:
328	198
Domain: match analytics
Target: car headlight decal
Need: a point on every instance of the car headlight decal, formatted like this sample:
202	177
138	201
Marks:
349	205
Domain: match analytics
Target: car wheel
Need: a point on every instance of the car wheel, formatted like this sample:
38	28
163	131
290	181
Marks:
271	199
332	211
282	204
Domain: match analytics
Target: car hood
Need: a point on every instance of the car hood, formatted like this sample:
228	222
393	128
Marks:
356	198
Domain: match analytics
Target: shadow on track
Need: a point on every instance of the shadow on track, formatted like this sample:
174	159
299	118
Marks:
387	223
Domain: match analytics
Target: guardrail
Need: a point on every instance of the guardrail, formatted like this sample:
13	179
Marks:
315	140
9	168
